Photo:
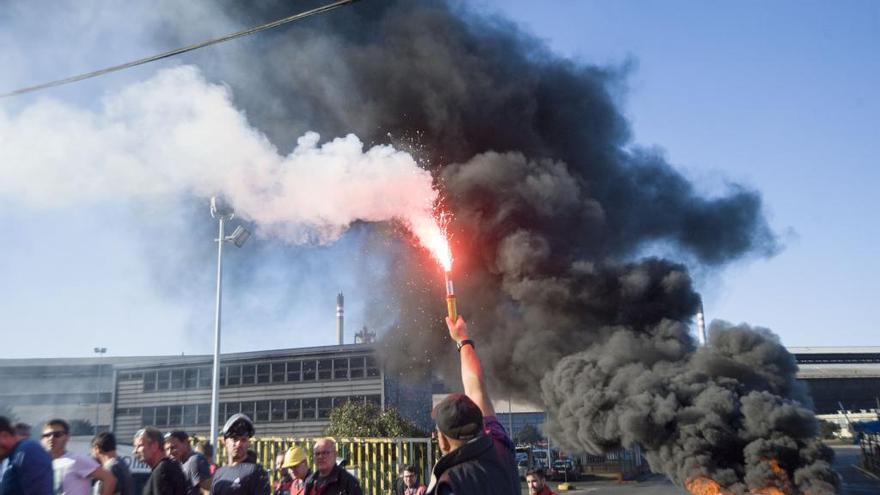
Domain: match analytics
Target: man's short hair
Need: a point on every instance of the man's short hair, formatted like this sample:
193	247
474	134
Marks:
22	429
538	473
151	434
6	426
104	441
458	417
411	469
177	434
58	422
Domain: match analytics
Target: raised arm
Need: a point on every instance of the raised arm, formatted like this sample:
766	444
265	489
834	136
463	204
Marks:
471	369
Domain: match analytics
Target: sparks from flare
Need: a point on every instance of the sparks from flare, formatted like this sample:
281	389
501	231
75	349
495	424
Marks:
433	234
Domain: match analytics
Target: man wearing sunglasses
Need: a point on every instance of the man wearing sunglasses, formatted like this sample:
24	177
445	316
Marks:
74	473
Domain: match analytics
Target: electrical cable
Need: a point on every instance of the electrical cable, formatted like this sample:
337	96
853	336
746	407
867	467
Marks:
178	51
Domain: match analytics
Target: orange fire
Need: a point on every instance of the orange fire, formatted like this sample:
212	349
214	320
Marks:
781	484
702	485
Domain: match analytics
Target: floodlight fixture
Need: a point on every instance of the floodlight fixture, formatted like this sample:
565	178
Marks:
239	236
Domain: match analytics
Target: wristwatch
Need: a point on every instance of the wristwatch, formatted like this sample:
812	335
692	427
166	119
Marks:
463	343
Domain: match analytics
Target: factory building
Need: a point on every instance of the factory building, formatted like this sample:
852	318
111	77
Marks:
288	392
291	391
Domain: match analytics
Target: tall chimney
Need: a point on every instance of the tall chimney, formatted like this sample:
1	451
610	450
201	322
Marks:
340	302
701	325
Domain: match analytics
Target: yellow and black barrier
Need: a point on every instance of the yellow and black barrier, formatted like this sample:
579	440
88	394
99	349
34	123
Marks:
376	462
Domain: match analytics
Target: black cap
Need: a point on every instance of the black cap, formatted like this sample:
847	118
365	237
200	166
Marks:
238	425
458	417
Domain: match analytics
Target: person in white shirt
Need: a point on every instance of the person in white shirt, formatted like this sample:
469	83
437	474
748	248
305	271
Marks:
73	472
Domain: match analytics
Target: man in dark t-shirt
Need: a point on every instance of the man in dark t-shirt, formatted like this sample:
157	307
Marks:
239	476
196	469
167	475
104	451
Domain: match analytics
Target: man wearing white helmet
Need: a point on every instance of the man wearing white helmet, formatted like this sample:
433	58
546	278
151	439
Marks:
239	476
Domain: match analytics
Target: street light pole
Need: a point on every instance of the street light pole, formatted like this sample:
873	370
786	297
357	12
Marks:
215	372
222	213
100	351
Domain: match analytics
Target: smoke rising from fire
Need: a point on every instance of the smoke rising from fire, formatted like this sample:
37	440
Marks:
553	206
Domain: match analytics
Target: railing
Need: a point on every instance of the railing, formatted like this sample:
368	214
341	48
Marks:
376	462
870	444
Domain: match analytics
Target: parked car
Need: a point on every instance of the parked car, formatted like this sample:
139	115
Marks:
563	469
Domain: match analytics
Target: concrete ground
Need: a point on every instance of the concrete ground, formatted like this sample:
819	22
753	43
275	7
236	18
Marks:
853	480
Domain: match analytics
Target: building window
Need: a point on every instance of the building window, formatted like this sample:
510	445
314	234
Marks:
203	414
340	369
176	379
279	372
262	411
372	367
308	373
247	408
162	416
148	416
308	409
358	367
149	381
325	369
325	405
189	414
293	371
163	380
293	409
191	378
233	375
248	374
230	408
174	415
277	410
204	377
263	373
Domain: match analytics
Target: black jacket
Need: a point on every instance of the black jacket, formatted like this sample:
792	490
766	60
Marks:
339	482
481	466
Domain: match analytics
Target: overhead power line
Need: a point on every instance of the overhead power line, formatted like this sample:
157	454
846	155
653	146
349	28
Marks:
178	51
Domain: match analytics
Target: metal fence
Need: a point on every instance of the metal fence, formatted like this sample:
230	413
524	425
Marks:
870	445
376	462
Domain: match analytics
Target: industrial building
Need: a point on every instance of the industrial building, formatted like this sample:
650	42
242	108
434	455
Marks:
287	392
291	391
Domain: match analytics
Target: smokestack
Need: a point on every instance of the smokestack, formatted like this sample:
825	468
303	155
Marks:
340	302
701	325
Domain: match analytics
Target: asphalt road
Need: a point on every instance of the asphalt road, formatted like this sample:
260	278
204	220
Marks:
854	481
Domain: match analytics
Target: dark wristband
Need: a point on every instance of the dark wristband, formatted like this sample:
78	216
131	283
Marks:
464	343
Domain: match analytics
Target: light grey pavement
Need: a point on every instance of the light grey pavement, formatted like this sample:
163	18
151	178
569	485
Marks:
854	481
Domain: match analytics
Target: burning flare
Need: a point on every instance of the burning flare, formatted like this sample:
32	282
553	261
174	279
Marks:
433	235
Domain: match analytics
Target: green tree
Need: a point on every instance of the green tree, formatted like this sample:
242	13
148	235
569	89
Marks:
528	435
827	429
355	419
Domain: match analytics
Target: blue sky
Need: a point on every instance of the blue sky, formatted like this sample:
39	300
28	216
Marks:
780	96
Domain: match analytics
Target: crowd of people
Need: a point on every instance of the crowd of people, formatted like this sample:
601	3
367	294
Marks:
478	455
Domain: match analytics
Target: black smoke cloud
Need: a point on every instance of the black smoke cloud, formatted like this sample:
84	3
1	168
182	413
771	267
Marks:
553	205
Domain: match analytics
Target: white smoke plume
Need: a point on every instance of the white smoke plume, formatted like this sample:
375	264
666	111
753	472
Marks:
178	134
